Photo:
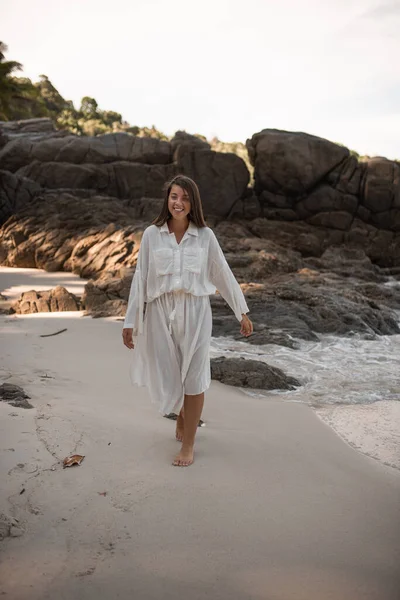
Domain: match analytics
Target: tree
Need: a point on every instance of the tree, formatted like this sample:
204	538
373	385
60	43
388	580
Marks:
9	88
89	108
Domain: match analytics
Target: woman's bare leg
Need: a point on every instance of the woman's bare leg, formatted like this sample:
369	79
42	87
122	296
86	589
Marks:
193	407
180	426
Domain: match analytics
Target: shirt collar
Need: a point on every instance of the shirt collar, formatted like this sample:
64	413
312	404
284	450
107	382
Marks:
192	229
164	228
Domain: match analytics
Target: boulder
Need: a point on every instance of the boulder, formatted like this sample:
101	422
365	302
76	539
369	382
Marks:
58	299
118	179
291	163
250	373
222	178
381	185
40	125
182	142
108	295
103	149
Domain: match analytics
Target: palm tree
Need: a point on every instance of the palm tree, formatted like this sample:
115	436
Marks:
12	90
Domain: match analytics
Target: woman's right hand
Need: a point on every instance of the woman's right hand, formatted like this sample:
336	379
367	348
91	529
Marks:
127	338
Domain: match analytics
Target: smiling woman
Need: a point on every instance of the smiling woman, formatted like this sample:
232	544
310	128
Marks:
168	322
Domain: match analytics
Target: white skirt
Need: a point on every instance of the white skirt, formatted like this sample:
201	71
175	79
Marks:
171	357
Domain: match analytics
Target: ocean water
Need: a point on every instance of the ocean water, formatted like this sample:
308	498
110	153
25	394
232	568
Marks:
334	370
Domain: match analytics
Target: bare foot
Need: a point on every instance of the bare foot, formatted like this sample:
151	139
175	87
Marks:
184	458
179	427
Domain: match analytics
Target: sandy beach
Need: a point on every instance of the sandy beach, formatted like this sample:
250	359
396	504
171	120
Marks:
276	507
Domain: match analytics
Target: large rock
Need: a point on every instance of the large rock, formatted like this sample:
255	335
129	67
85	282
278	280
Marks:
301	177
108	295
41	125
249	373
119	179
108	148
292	163
222	177
58	299
15	192
31	130
310	302
86	235
183	141
381	185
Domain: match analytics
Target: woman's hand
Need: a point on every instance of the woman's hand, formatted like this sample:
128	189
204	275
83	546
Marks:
246	326
127	338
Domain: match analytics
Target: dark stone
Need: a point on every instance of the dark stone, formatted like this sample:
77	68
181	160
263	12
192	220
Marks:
381	185
251	374
15	193
334	219
71	149
222	178
14	395
291	163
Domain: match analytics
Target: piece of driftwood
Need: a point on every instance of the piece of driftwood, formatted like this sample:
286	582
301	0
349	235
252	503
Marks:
56	333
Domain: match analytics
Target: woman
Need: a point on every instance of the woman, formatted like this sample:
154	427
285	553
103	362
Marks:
168	321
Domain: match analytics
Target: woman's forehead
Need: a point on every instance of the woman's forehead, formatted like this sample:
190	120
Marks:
176	189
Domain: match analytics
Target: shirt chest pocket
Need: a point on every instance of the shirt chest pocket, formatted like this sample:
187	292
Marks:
193	259
164	261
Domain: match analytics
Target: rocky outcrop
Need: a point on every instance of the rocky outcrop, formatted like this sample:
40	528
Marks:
121	165
108	295
291	298
303	177
108	148
291	164
249	373
123	180
57	300
320	263
30	129
15	192
85	235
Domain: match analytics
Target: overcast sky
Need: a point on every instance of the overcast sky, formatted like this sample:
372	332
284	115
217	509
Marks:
223	67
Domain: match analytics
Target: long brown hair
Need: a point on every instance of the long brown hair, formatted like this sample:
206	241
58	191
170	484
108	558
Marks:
196	210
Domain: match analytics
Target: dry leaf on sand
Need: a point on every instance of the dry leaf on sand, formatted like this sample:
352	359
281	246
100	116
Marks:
75	459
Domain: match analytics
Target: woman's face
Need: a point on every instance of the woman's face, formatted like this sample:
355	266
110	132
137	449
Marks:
178	203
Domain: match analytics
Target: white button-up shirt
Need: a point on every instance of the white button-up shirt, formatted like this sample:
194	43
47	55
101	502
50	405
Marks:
196	266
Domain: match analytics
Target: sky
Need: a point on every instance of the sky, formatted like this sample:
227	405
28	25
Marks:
225	68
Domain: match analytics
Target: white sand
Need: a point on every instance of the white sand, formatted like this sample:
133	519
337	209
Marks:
276	506
373	429
14	282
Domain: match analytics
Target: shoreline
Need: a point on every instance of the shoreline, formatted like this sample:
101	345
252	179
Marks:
371	429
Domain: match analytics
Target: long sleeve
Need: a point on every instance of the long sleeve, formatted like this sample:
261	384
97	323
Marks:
137	294
224	280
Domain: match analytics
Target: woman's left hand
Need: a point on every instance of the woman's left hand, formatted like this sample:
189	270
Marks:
246	326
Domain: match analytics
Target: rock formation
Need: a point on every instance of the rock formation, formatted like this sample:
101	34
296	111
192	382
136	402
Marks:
315	242
57	300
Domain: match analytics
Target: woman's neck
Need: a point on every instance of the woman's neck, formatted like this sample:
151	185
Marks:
176	226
